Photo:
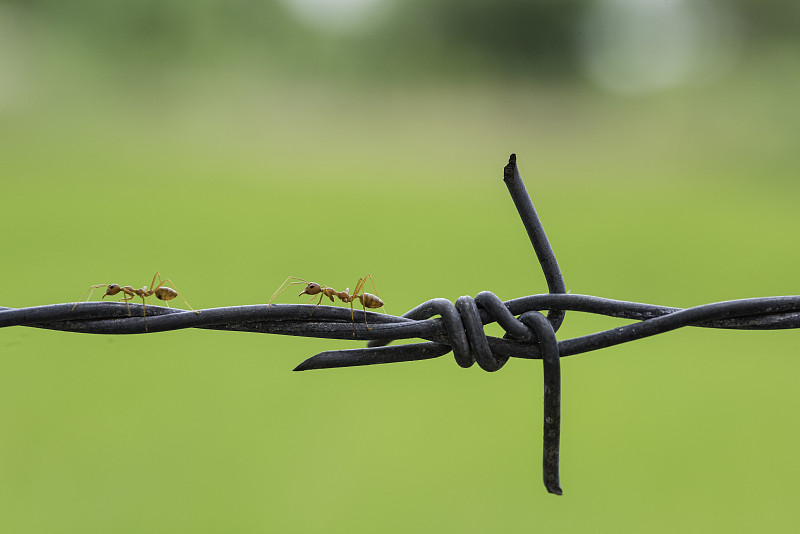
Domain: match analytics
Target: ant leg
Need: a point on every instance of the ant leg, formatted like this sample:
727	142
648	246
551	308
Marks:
359	285
154	281
322	294
89	291
353	319
130	297
176	290
375	288
281	289
360	289
144	313
365	316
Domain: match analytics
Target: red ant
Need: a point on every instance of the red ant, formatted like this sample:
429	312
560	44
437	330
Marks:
367	300
161	292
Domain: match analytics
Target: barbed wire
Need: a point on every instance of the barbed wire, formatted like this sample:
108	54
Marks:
459	326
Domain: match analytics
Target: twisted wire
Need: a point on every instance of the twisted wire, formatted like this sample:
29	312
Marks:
763	313
446	326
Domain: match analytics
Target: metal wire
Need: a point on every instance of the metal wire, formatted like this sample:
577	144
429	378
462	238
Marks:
458	327
766	313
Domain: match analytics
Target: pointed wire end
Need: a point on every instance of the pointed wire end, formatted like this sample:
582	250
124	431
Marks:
555	490
305	366
331	359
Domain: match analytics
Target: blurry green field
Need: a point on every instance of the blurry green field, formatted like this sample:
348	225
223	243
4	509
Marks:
675	200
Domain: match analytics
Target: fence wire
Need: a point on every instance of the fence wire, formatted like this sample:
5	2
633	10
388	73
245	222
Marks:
458	328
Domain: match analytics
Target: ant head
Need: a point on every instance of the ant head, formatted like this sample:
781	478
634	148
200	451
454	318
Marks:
112	289
312	288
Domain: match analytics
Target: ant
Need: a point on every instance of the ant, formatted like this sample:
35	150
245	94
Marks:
367	300
161	292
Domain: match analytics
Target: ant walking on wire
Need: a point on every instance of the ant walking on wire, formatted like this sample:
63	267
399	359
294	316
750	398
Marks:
367	300
161	291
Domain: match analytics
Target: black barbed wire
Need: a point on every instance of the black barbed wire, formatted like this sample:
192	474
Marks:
458	328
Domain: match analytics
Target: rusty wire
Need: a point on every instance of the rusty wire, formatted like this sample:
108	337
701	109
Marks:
459	327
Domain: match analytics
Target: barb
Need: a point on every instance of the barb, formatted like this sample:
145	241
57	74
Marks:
458	327
547	258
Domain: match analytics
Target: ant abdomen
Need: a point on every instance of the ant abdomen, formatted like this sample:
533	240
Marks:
370	301
165	293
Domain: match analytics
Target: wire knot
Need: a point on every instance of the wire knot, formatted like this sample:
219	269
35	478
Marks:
464	326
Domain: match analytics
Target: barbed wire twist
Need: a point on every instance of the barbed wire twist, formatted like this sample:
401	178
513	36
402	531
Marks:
458	328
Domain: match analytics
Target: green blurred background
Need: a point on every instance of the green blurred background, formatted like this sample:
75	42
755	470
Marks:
229	145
